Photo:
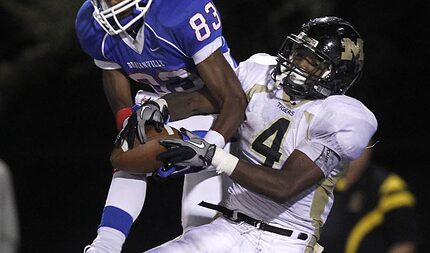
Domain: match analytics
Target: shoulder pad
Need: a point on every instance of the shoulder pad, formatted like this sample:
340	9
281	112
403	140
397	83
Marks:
89	32
344	124
263	59
190	25
255	71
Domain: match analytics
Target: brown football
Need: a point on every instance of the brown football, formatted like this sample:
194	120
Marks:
141	158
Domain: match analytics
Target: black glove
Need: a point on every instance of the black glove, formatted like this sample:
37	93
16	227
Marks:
125	138
150	113
194	151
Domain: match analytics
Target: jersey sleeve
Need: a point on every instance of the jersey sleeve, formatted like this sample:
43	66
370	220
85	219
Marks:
199	29
107	65
242	74
342	124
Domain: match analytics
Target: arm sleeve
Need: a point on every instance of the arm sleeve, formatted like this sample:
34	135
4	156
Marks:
325	158
107	65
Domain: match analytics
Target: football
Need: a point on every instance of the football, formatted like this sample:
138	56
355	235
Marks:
141	158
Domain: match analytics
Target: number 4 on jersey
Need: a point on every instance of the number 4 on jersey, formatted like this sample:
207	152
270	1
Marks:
269	146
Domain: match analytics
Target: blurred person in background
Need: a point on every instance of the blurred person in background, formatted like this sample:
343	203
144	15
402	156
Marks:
373	211
9	230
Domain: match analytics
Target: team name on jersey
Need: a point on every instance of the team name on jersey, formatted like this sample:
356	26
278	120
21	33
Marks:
146	64
285	109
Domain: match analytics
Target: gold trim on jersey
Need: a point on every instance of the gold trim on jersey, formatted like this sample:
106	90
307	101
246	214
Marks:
342	184
287	99
260	88
309	117
320	200
256	88
394	194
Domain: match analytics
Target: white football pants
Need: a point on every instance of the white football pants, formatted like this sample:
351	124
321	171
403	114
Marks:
224	236
205	185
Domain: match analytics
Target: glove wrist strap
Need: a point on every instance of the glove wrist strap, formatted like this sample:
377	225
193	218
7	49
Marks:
224	162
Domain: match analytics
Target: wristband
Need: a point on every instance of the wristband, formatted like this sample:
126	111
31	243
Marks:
121	115
216	138
224	161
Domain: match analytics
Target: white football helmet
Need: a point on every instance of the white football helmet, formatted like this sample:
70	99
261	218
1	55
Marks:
119	17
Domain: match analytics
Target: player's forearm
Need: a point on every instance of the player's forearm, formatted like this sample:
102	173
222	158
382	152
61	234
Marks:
270	182
232	101
185	104
231	115
273	183
226	90
297	174
117	90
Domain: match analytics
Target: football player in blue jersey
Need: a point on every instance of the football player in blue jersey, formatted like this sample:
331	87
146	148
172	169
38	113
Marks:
172	46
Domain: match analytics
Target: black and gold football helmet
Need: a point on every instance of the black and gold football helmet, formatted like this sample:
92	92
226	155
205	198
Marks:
337	50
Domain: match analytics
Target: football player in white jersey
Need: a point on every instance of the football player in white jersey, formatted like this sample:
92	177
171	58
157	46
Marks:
299	130
172	46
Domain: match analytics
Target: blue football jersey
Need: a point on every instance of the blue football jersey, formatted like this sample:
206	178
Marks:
175	36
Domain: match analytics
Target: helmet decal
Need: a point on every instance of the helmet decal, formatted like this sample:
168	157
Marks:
352	49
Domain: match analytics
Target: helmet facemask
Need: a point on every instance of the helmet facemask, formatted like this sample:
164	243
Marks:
301	70
119	17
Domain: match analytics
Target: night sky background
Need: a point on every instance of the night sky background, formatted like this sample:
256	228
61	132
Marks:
57	129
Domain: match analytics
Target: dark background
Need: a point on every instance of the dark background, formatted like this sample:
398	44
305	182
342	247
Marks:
57	128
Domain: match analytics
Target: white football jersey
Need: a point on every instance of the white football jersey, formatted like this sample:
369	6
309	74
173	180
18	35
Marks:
275	126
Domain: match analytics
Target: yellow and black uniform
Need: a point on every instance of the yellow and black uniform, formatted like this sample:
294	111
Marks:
370	215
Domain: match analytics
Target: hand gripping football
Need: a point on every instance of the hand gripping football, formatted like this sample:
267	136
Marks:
141	158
